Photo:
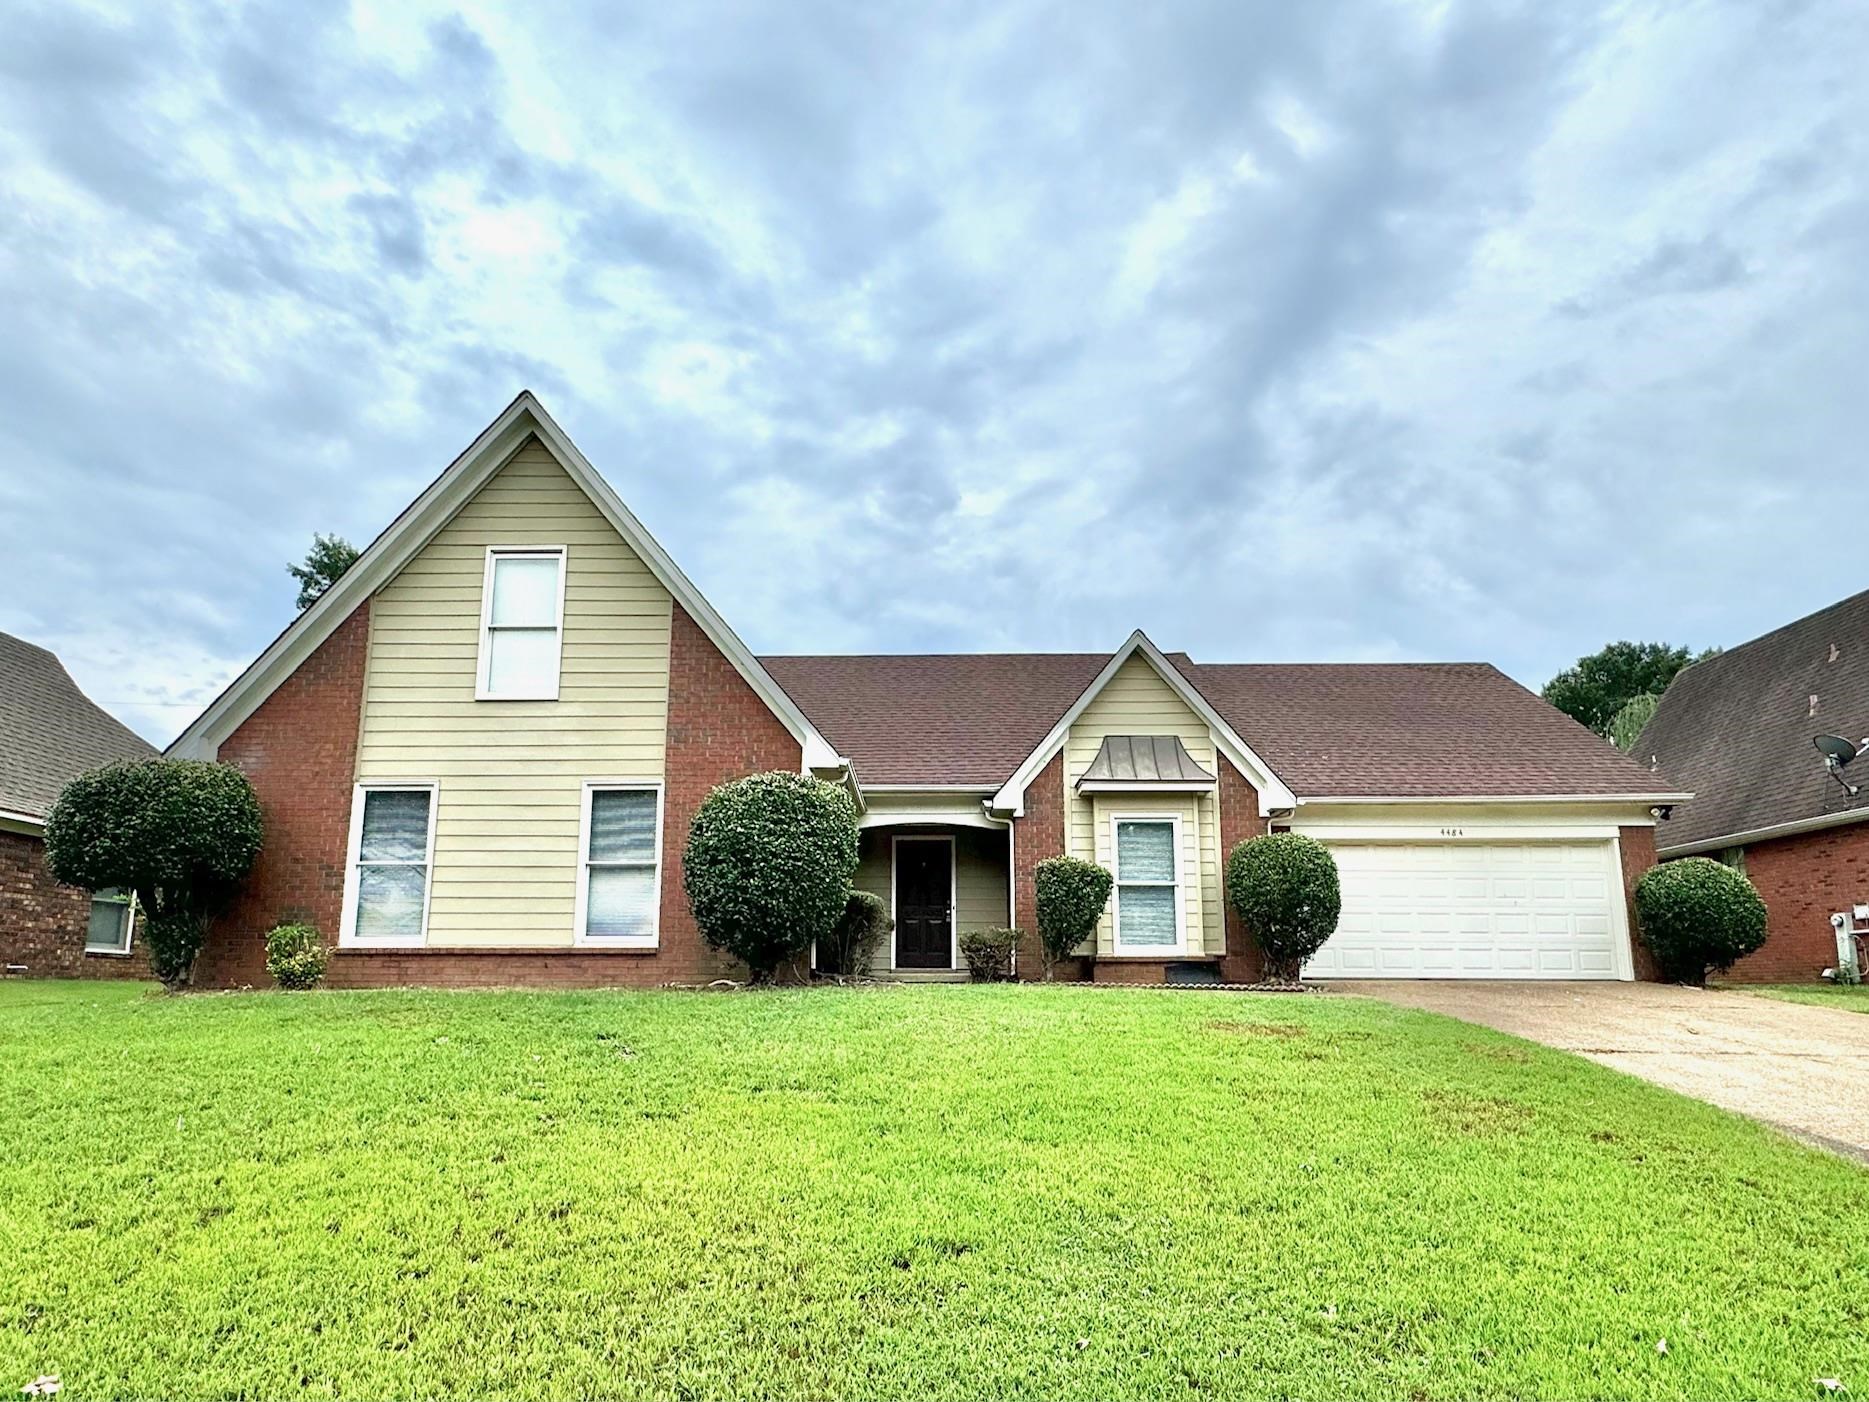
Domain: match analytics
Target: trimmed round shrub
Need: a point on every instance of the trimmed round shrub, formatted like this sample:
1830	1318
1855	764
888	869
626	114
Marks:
1071	895
181	833
1697	915
850	948
1284	886
989	954
296	955
767	867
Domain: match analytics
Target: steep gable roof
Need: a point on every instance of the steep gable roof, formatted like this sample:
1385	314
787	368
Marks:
50	731
523	419
1737	729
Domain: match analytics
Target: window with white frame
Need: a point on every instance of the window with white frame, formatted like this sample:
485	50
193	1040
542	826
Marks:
620	896
1148	889
392	846
113	919
521	624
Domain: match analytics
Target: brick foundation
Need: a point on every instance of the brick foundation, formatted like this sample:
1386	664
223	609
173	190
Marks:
1035	836
42	924
1803	880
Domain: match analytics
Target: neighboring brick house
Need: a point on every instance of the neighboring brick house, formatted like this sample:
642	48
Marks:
1738	729
51	732
480	751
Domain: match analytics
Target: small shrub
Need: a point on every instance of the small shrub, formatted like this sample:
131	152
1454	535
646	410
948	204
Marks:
989	954
1284	886
296	955
767	867
850	948
1698	915
1071	896
182	834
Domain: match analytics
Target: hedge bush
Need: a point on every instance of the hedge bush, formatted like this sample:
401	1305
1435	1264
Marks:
989	954
1071	896
1285	888
1698	915
767	867
296	956
182	834
850	949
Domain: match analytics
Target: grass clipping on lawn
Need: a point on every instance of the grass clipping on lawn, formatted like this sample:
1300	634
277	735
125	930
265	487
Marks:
943	1192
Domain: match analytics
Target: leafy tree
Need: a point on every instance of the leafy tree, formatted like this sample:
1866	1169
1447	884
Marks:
182	834
1698	915
767	867
1284	886
1625	727
1600	685
324	563
1071	895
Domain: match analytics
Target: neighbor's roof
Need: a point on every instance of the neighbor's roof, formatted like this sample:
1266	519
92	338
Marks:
50	732
1326	729
1737	728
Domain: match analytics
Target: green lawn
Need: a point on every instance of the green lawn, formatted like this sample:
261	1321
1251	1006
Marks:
1852	997
935	1192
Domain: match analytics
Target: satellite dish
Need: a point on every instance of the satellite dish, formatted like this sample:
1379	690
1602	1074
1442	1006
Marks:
1838	752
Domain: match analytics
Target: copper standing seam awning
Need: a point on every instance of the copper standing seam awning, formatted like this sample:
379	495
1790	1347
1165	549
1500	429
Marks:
1144	762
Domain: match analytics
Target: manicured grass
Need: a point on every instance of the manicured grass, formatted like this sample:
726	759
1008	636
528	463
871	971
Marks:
1851	997
934	1192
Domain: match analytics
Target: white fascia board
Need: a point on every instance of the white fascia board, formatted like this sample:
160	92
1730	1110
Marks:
1794	828
418	524
1273	794
25	823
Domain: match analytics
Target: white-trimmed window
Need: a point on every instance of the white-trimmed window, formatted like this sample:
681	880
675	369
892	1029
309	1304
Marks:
522	611
112	923
620	886
392	850
1149	916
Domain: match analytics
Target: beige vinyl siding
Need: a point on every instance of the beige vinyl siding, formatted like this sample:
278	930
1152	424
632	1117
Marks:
981	879
1137	701
511	773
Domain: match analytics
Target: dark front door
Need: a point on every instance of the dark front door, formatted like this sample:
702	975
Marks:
924	910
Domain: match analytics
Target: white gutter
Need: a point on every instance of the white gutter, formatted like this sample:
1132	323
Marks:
1752	835
1650	798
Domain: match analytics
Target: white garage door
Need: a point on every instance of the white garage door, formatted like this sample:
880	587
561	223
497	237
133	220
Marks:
1474	910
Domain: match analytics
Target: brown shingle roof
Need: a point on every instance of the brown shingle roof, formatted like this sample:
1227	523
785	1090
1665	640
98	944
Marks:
965	718
1413	729
50	732
1407	729
1737	728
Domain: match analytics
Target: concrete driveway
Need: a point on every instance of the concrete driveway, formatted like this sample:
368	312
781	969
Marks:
1802	1069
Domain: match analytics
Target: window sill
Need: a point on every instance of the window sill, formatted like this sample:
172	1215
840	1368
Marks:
1160	956
106	953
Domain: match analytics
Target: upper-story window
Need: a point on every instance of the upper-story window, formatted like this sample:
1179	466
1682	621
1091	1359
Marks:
522	612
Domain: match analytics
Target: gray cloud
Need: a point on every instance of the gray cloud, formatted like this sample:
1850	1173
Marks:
1485	330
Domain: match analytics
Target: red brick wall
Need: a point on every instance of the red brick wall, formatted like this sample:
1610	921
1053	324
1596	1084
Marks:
1638	855
1036	836
42	924
1804	880
718	729
1239	820
299	749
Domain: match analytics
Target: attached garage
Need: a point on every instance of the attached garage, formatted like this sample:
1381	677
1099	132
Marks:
1478	909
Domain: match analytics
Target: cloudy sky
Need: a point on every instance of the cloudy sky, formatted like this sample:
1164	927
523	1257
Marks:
1323	331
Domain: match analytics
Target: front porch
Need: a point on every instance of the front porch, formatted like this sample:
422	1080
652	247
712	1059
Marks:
939	880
